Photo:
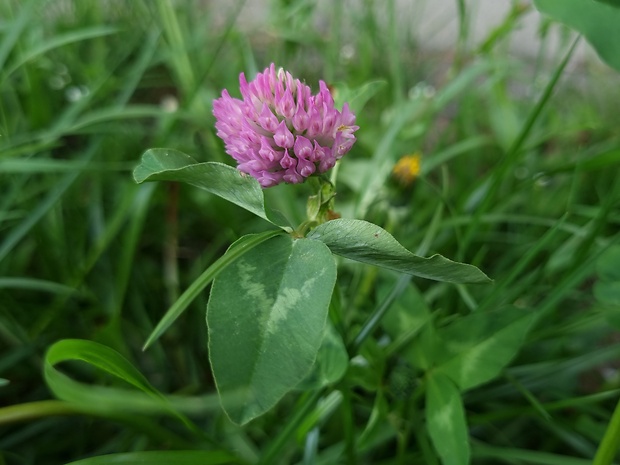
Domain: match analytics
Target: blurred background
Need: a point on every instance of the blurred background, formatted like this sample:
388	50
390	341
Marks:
87	86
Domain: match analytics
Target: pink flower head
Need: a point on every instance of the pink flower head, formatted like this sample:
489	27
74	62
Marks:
279	131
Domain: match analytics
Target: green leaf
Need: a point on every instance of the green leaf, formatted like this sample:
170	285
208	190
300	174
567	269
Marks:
236	250
406	316
331	362
368	243
266	315
615	3
597	21
607	292
445	420
409	324
479	346
607	265
162	457
219	179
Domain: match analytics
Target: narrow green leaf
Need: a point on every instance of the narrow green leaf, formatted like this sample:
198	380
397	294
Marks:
507	455
603	159
34	216
29	411
217	178
52	165
162	457
484	195
481	345
463	147
445	420
104	399
95	354
266	315
27	13
597	21
325	407
358	97
368	243
304	411
120	113
608	447
237	249
37	285
59	41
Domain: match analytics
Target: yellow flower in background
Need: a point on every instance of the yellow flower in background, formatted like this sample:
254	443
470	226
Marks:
407	168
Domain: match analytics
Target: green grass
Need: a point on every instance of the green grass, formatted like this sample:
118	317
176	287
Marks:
519	177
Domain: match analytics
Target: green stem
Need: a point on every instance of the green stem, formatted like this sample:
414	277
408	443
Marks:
378	313
275	448
319	208
611	440
171	264
349	425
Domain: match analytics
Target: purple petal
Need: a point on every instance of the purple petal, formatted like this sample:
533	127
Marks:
320	153
303	148
267	119
346	117
301	120
327	163
293	177
305	168
283	137
330	116
316	123
286	105
267	152
325	94
268	179
343	143
287	161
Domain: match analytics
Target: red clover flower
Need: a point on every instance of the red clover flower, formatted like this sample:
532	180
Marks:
280	132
